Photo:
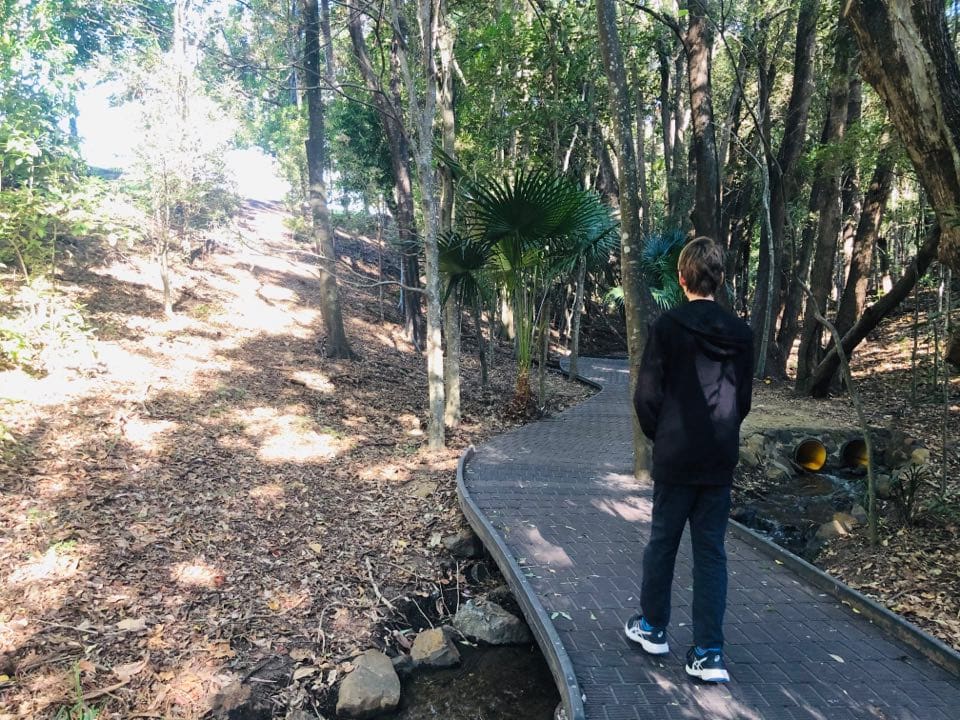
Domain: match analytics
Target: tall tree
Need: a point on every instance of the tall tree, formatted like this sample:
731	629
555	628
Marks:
337	345
910	59
390	111
636	296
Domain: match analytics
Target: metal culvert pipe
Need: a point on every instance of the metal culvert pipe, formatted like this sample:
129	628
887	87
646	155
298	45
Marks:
810	454
853	453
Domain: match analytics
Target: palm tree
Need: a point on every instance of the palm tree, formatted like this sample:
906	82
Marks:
523	233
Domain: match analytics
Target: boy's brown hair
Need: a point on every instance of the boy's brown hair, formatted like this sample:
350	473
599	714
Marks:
701	265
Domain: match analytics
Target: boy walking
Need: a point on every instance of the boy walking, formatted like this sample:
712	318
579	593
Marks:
692	394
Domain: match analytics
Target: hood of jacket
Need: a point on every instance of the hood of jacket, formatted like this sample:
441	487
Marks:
717	333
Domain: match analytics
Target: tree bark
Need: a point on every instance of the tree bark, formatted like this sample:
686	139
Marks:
452	310
705	213
337	345
910	60
389	110
828	226
636	296
819	378
784	184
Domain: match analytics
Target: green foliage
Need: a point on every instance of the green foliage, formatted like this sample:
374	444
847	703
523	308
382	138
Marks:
521	234
658	259
905	490
40	328
79	710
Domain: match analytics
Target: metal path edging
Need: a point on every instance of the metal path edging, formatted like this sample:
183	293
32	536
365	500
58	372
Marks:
935	650
543	630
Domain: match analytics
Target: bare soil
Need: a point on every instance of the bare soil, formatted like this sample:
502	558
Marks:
207	493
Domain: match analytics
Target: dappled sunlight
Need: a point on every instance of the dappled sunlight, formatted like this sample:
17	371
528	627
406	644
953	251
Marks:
145	434
631	509
286	435
197	573
313	380
543	551
59	562
269	494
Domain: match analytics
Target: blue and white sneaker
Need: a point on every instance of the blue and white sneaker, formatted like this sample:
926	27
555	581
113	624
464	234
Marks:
652	640
707	665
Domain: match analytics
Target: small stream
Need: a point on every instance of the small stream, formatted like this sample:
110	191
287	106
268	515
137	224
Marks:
492	683
790	510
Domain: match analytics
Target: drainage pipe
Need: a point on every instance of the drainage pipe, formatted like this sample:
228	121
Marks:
810	454
853	453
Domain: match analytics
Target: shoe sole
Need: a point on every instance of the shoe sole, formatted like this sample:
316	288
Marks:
650	648
710	675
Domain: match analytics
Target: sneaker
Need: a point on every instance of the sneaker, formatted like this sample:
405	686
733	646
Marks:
652	640
707	665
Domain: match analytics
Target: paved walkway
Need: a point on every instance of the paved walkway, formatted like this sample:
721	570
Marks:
561	496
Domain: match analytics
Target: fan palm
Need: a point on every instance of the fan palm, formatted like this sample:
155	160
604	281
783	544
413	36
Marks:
530	228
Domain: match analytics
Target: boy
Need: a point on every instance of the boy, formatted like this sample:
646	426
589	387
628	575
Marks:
692	393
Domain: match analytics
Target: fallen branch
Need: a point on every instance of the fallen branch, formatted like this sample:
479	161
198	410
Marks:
376	589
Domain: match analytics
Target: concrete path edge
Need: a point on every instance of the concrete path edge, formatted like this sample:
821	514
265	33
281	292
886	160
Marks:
934	649
536	616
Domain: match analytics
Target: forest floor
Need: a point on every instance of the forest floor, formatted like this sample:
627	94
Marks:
915	567
189	499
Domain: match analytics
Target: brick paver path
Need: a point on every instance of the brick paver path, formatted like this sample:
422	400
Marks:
562	495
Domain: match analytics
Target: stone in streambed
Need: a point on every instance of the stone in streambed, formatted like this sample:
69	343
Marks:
372	689
465	545
434	649
491	624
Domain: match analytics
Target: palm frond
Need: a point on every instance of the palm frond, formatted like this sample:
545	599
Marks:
658	260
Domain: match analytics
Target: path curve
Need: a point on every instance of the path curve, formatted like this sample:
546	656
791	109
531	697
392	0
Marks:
559	509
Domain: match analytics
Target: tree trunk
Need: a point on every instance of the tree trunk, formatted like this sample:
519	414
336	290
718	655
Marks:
828	227
705	214
452	311
636	296
878	311
575	323
641	159
665	123
329	63
784	184
389	110
337	345
910	60
864	242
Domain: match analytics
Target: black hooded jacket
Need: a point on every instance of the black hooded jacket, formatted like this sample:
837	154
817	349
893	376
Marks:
693	392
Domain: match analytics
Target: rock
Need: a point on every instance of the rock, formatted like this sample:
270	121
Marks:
842	524
491	624
920	456
372	689
434	649
298	714
756	443
748	457
500	595
777	471
860	514
884	486
464	545
560	713
403	664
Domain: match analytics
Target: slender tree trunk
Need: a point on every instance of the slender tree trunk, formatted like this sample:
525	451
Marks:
636	295
705	214
910	60
481	344
828	209
389	110
452	310
641	159
330	66
337	345
421	118
575	323
854	296
666	123
784	185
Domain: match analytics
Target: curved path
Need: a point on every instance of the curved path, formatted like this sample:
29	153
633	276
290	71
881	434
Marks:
557	505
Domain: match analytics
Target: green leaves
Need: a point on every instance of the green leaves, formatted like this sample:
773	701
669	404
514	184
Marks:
658	259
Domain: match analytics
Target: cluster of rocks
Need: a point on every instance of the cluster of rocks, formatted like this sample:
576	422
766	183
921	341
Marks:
373	688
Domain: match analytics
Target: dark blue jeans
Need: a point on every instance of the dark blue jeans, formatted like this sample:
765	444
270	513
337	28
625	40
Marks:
707	508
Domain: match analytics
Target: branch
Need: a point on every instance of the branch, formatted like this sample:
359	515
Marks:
664	18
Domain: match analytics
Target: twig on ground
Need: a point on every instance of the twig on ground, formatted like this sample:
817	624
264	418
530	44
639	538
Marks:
376	589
